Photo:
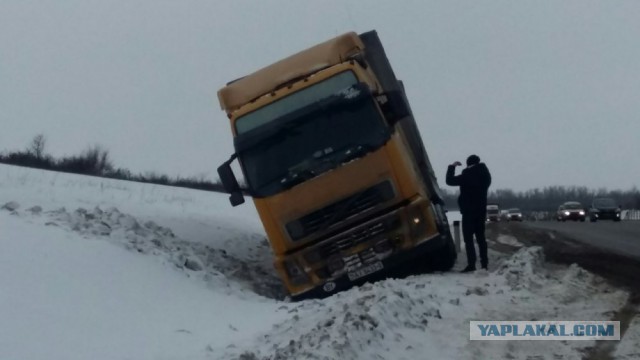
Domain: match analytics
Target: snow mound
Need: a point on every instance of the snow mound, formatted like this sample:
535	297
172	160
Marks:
214	265
10	206
408	318
509	240
353	325
525	269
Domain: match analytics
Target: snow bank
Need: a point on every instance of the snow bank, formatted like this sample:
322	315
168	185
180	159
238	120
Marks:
628	348
430	314
215	265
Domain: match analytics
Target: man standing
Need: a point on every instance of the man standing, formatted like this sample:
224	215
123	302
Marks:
474	183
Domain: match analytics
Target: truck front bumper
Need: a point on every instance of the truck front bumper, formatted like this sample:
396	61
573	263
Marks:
396	265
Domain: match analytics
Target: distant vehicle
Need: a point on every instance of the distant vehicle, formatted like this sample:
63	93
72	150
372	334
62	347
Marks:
493	212
514	215
571	210
604	209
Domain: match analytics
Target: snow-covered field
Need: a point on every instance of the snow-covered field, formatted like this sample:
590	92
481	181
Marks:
95	268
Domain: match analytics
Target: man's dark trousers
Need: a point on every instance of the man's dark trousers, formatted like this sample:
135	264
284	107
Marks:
473	224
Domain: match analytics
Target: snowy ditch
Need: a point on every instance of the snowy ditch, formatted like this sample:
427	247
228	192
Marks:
391	319
217	267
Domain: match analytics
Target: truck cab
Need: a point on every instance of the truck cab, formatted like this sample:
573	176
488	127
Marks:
493	213
332	157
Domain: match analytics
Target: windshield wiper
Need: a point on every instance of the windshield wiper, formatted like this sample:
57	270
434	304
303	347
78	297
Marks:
308	169
357	151
319	164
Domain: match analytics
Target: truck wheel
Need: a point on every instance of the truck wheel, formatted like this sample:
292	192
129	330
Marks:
444	258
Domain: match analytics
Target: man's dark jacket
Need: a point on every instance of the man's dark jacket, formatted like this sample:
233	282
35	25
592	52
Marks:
474	183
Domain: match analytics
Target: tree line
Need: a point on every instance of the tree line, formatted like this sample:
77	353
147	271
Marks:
549	198
95	161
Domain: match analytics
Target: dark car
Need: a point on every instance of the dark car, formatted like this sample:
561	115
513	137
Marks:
571	210
604	209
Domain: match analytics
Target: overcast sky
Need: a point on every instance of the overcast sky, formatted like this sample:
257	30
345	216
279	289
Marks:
545	92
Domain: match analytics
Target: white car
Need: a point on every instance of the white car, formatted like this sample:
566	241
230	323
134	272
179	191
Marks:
571	210
514	215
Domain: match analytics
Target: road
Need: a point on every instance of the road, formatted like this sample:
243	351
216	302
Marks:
620	237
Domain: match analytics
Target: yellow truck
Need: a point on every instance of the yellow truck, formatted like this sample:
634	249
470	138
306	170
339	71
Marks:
332	157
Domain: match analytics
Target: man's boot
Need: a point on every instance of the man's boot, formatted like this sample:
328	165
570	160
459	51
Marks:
469	268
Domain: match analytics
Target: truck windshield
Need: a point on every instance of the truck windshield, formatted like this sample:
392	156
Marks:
295	101
311	141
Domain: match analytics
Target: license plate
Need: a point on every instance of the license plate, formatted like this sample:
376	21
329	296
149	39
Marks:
365	270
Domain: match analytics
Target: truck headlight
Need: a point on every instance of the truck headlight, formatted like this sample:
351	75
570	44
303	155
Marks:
296	273
581	212
417	221
566	213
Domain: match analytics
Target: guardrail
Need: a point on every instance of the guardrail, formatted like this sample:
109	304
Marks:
630	215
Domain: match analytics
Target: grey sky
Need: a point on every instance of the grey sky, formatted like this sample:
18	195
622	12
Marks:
546	92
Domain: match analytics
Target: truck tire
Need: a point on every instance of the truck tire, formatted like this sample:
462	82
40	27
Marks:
444	258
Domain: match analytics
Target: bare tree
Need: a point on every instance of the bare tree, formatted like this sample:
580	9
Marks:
36	148
97	160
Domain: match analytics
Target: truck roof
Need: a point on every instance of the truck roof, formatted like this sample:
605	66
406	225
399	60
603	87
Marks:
250	87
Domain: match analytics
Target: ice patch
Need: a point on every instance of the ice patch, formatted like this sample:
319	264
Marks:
509	240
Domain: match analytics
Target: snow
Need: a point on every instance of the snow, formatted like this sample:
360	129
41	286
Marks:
69	297
508	240
95	268
628	348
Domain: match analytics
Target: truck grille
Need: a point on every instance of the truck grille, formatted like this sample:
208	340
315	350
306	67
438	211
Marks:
361	234
339	246
322	219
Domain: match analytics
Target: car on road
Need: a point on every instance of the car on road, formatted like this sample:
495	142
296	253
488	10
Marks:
514	214
604	209
571	210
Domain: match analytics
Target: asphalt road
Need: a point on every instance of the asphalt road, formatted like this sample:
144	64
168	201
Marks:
619	237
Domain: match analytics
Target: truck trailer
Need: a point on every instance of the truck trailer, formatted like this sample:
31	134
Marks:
331	154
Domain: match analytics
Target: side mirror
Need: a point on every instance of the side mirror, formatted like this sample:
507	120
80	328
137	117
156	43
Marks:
230	183
394	106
